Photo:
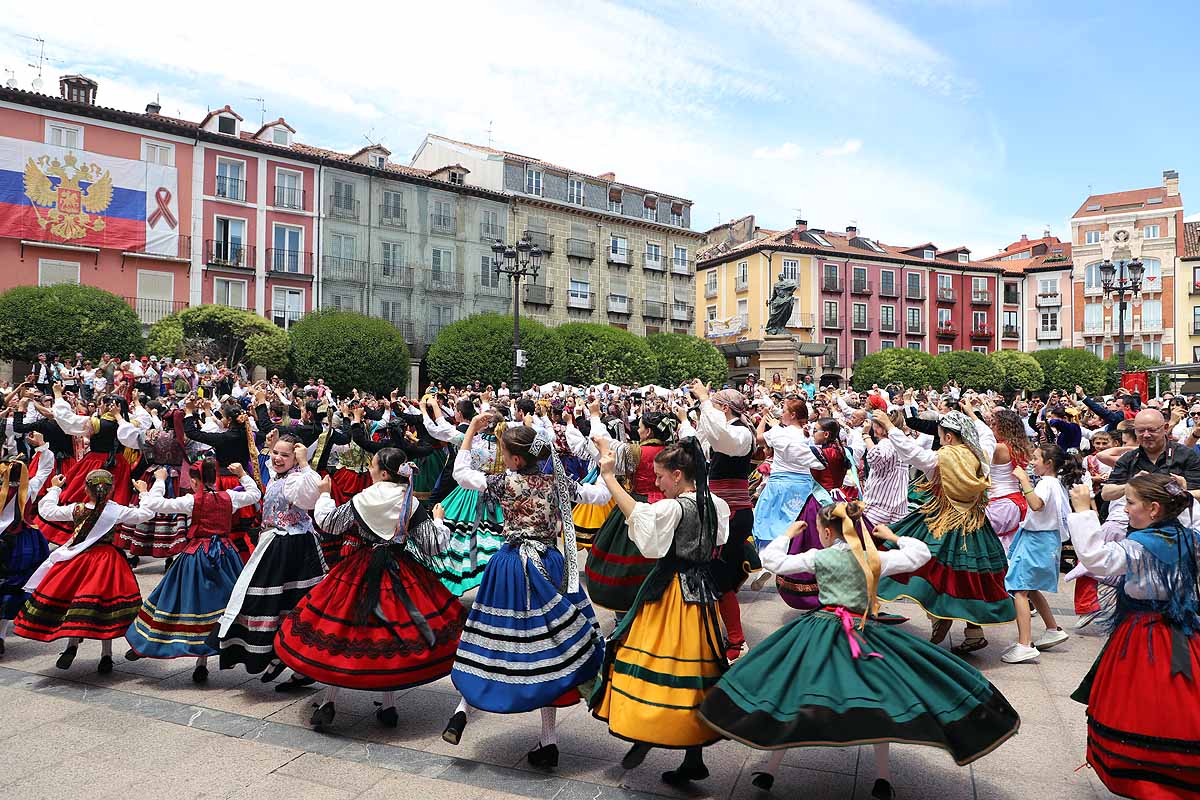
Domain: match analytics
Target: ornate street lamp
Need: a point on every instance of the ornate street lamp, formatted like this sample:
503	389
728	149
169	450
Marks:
517	261
1115	281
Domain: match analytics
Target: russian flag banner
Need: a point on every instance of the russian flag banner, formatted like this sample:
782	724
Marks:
54	194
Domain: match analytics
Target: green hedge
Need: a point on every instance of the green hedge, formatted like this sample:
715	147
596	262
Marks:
350	351
1020	371
1066	367
221	332
970	370
898	365
682	357
66	319
1135	361
480	348
598	354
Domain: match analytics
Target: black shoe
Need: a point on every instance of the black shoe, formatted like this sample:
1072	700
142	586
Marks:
200	674
68	656
322	717
454	728
387	717
1	648
273	672
763	780
684	775
167	564
133	561
131	655
105	666
294	684
882	790
635	756
545	757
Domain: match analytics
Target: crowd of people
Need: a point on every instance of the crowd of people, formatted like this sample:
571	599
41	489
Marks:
376	542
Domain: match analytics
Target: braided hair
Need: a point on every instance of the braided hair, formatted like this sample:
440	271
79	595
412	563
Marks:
687	456
99	490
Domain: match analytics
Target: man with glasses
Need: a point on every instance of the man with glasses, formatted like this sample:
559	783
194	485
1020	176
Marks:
1155	454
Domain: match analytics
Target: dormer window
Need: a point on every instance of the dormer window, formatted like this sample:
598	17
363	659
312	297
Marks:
963	258
377	160
279	135
928	255
227	125
456	178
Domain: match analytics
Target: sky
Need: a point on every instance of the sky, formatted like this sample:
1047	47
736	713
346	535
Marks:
962	122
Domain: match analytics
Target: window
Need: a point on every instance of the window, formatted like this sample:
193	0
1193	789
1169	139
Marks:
533	181
859	349
928	255
858	278
227	125
377	160
1093	318
914	284
1152	277
1095	349
393	311
680	259
391	258
964	258
1047	285
743	271
859	314
1049	321
62	134
830	273
1091	277
287	306
1091	237
1152	319
279	135
791	269
288	189
979	320
979	348
488	277
1150	232
443	214
489	225
887	318
579	289
457	178
710	313
650	213
887	283
231	179
393	207
442	264
945	284
285	253
575	191
944	318
743	311
831	351
819	239
831	314
52	272
944	348
677	219
653	253
341	245
229	247
615	206
914	320
979	287
710	282
158	152
1010	320
343	199
914	346
874	246
887	344
618	246
439	317
1152	349
1011	294
228	292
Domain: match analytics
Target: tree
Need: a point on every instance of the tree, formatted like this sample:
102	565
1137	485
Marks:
221	332
598	354
481	348
1020	371
682	357
1135	361
1066	367
350	351
66	319
970	370
897	365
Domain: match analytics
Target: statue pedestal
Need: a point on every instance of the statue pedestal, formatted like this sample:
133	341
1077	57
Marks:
777	353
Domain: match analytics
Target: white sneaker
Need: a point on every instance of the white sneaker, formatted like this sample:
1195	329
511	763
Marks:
1019	653
1051	638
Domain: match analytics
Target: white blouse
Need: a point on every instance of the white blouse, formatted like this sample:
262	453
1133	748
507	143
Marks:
156	502
911	555
652	525
1111	559
793	450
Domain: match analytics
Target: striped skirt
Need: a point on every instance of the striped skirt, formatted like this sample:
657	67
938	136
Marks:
178	616
158	538
460	566
524	644
91	596
282	570
21	552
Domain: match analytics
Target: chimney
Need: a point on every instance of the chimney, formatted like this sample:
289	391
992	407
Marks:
1046	233
1024	237
801	225
78	89
607	176
851	231
153	108
1171	182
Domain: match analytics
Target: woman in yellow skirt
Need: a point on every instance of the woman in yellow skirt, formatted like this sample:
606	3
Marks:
667	651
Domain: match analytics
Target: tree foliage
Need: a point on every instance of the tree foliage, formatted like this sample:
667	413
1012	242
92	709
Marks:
480	348
221	332
599	354
970	370
350	351
1019	371
682	357
1065	367
897	365
1135	361
66	319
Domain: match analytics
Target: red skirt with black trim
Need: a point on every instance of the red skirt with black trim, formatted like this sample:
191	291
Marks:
345	483
1143	720
92	596
321	638
74	491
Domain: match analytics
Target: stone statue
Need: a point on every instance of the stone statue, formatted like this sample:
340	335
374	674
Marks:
780	306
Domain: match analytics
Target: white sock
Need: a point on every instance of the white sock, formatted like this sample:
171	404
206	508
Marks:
330	694
74	641
549	734
774	761
463	706
106	648
5	627
202	661
389	699
883	768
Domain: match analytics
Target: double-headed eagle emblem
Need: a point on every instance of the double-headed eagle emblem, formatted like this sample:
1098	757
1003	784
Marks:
69	204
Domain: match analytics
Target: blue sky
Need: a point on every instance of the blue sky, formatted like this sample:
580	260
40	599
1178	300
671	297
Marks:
965	122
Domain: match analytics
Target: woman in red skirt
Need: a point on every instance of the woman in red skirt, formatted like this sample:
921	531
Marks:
1143	692
86	589
231	444
380	620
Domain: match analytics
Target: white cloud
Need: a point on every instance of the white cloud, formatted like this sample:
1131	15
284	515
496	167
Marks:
846	148
788	151
1192	218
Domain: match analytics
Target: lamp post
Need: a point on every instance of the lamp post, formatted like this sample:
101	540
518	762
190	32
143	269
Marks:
1113	281
516	261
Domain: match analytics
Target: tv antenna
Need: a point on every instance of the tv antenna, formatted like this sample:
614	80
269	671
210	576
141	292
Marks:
489	133
262	110
11	83
41	58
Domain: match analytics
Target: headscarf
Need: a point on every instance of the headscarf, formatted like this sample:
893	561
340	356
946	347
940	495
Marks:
735	401
964	426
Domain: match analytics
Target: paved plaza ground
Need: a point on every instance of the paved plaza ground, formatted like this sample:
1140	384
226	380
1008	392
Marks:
146	731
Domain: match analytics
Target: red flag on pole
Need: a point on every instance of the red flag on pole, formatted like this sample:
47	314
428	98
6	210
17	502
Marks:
1135	383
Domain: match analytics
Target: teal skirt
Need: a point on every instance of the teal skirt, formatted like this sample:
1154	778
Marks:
475	536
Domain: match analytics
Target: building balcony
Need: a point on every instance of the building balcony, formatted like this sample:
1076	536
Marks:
581	248
443	223
281	261
230	188
862	287
860	324
393	216
833	362
538	295
681	312
945	295
710	291
619	258
491	233
804	321
344	270
888	326
741	285
1195	290
946	331
981	297
543	241
1149	326
179	250
444	282
341	207
1049	300
982	333
1011	298
1011	332
581	301
654	309
618	304
493	286
219	253
397	276
286	317
832	323
1049	334
681	266
289	197
1093	328
888	290
829	284
914	293
653	262
407	328
151	309
915	330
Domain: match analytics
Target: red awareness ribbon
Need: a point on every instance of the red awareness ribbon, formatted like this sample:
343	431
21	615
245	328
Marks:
162	196
848	627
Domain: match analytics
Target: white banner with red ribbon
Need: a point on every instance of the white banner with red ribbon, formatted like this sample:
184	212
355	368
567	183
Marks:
162	211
